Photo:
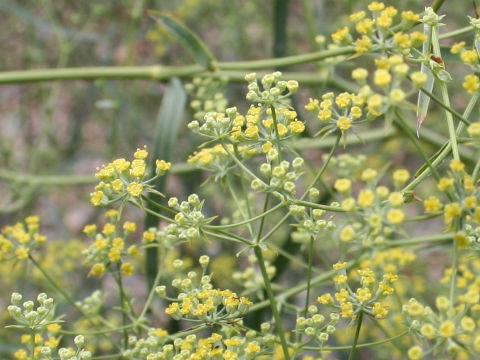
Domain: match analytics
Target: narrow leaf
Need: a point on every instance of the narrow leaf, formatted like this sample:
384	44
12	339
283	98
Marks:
432	159
166	131
423	99
186	37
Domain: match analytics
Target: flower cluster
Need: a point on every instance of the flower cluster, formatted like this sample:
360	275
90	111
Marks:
315	325
19	240
125	180
377	212
451	329
341	112
375	32
199	301
369	298
108	248
39	321
281	177
310	223
463	198
234	346
207	96
250	278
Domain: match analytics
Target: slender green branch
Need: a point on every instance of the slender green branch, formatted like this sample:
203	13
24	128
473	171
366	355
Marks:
359	346
273	302
351	356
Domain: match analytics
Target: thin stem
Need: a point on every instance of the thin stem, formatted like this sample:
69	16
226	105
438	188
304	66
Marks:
70	300
309	275
122	306
447	146
275	130
451	128
357	333
359	346
32	343
273	302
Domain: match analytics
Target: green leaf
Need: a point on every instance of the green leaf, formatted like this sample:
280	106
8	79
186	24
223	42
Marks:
424	99
186	37
432	159
166	131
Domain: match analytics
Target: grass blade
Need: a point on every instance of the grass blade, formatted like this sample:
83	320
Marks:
186	37
166	131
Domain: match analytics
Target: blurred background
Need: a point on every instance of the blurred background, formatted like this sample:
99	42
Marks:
53	135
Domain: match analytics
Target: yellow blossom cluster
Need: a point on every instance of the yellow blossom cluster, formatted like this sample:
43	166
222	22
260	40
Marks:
19	240
376	211
108	248
122	179
369	298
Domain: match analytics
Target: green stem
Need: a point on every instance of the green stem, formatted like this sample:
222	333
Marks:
420	240
122	306
359	346
70	300
447	146
32	343
275	130
357	333
451	127
273	302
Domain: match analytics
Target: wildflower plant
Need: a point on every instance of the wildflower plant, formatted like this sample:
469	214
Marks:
325	255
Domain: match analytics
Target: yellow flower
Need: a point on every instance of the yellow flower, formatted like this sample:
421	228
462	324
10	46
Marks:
369	174
444	184
252	348
471	83
384	21
140	154
395	216
359	74
402	40
410	15
457	165
344	123
127	269
363	44
365	198
342	185
363	294
251	132
97	269
469	56
376	6
432	204
450	211
297	127
325	299
135	189
447	329
357	16
474	129
325	114
340	34
396	199
365	26
339	265
415	353
457	47
347	234
414	308
397	96
418	78
96	198
382	77
428	330
21	252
